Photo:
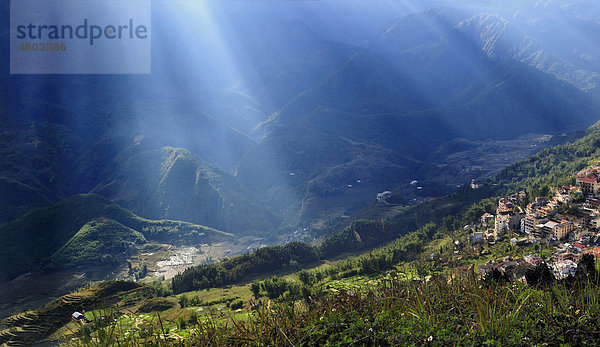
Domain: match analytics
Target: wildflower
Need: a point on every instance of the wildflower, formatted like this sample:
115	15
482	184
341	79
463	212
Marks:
333	310
371	329
321	318
430	338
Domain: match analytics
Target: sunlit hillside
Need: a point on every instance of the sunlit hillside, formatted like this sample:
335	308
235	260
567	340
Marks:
251	162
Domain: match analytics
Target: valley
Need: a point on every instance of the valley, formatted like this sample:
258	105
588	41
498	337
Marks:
442	258
310	173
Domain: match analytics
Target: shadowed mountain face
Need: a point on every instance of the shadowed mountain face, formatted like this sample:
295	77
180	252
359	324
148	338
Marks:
371	125
47	160
328	157
271	114
171	183
552	41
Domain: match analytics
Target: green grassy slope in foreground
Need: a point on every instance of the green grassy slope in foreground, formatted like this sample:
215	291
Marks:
385	310
29	327
28	242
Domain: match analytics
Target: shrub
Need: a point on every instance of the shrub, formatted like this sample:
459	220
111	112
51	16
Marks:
156	304
237	305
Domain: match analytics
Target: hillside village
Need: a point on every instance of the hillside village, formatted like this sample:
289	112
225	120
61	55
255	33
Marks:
566	221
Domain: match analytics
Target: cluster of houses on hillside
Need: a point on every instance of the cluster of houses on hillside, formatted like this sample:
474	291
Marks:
571	233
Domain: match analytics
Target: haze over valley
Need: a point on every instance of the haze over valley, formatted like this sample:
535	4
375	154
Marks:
267	122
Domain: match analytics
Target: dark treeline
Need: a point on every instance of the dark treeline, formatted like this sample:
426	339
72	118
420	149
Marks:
359	235
406	248
234	270
296	255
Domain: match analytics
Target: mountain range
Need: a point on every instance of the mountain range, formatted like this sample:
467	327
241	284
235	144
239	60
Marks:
287	125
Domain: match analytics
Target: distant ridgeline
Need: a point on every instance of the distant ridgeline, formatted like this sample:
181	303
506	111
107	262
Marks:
554	166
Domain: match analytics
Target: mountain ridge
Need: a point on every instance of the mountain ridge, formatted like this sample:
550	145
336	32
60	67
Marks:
29	241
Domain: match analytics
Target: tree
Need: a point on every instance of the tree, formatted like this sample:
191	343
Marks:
144	270
275	287
183	301
306	277
255	288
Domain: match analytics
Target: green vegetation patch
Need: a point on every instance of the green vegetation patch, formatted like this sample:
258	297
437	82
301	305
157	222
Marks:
102	240
234	270
156	304
30	240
